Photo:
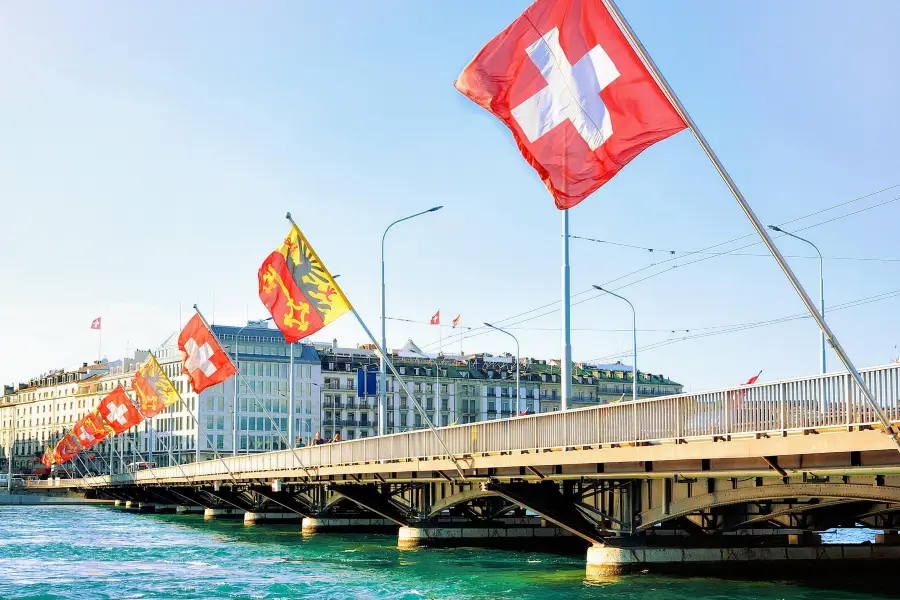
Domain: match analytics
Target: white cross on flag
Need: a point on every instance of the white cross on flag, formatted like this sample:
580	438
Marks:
578	100
205	362
118	411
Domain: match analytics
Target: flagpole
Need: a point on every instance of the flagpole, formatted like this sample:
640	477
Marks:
566	366
754	220
390	365
255	397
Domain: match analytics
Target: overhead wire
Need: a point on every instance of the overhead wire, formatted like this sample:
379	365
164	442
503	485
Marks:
478	331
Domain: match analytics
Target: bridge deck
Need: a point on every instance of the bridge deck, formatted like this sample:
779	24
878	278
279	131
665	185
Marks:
768	419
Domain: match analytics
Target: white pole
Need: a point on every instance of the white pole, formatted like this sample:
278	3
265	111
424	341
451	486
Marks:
565	371
754	220
290	427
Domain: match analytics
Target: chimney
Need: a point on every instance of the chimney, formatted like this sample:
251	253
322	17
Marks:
334	344
83	365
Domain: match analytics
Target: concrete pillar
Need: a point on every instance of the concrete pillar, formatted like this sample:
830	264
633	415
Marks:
255	518
312	525
497	535
888	537
188	510
222	513
130	504
119	503
780	560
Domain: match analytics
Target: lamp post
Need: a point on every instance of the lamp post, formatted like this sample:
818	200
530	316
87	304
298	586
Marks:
821	286
382	384
321	405
519	403
234	428
634	375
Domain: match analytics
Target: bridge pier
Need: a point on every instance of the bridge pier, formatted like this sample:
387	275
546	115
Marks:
791	560
354	524
222	513
526	533
260	517
182	509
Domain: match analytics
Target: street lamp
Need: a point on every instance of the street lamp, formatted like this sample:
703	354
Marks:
321	405
382	387
821	285
519	402
634	375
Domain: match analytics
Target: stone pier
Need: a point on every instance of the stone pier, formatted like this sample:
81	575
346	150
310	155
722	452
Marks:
256	518
498	535
773	561
222	513
188	510
313	525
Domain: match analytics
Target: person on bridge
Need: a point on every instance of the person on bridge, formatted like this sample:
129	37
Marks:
318	439
337	438
299	443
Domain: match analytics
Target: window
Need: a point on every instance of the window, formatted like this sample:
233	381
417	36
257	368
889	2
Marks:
221	403
220	423
209	421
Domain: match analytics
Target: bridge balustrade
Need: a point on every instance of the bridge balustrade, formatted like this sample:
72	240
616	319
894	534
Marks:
824	401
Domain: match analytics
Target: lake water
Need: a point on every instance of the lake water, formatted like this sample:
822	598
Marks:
84	552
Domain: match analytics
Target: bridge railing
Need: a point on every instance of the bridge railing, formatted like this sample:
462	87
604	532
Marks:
823	401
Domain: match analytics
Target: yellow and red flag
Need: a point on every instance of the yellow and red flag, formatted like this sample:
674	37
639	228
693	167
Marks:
66	449
49	458
90	430
298	290
153	388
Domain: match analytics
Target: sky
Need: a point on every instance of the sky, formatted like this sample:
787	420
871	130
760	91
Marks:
149	151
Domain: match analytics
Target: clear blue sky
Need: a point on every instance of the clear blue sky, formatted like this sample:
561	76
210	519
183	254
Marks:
149	151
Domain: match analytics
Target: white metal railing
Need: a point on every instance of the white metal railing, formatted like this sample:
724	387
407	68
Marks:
823	401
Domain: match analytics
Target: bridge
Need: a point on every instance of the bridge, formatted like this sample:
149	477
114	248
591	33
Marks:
717	480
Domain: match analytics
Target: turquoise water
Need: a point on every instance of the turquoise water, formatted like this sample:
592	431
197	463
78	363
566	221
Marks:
97	552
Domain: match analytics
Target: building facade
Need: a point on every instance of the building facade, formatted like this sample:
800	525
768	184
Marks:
449	389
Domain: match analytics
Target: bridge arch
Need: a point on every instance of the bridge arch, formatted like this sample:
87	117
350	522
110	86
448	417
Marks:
461	498
843	491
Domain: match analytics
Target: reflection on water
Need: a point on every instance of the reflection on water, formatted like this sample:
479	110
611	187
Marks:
93	552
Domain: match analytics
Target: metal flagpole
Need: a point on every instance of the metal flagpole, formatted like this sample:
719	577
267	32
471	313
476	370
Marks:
757	224
255	397
390	365
290	426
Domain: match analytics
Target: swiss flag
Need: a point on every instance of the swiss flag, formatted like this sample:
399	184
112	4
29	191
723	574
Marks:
578	100
203	358
436	319
118	412
95	324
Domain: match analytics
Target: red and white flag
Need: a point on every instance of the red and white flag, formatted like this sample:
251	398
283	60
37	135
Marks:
95	324
578	100
203	359
436	319
118	412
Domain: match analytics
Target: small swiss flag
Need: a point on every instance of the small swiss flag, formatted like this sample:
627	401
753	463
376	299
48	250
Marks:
95	324
436	319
